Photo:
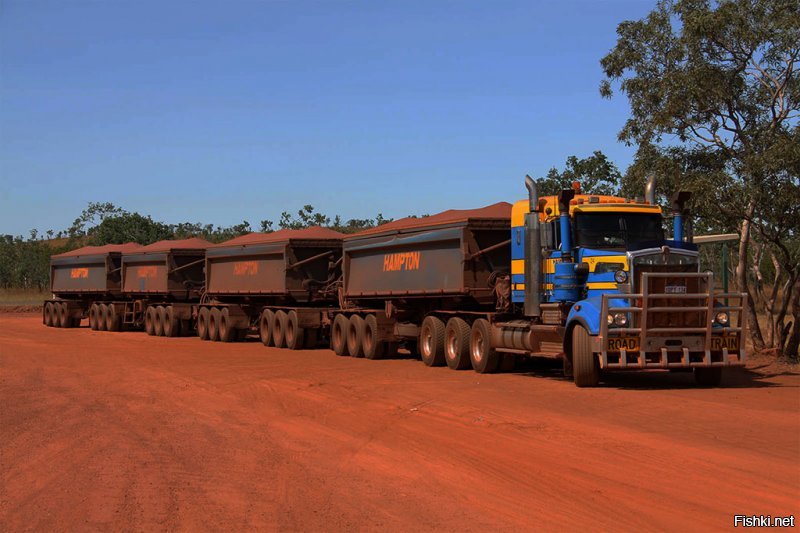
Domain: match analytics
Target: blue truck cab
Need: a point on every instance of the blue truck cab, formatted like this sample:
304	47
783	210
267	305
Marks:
601	286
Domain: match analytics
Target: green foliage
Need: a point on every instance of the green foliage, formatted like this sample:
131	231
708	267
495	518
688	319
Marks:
714	95
128	227
24	263
596	174
308	217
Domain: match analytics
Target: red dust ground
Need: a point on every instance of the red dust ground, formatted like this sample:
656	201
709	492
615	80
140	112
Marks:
120	431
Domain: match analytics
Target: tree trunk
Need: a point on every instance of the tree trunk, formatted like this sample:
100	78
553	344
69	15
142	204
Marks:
741	278
793	344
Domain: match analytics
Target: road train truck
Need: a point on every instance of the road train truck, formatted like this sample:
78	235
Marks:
596	275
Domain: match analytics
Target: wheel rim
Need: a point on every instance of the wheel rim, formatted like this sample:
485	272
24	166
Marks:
477	346
264	330
337	334
368	339
290	332
452	349
202	326
427	341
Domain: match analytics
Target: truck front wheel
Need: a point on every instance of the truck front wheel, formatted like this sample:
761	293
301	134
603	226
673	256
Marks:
585	368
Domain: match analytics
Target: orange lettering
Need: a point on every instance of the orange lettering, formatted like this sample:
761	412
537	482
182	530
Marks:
76	273
401	261
245	268
146	272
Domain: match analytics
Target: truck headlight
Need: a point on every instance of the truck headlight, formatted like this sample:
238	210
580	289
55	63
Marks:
617	319
721	318
620	276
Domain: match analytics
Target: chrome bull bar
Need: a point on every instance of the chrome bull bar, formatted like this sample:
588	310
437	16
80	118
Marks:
694	342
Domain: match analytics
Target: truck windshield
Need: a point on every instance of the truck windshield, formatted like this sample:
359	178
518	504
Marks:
616	230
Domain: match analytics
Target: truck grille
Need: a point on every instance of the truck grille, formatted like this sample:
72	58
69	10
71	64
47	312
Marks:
671	312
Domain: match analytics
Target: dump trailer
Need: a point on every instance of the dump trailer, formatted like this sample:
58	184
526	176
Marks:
596	283
160	283
282	283
81	276
421	281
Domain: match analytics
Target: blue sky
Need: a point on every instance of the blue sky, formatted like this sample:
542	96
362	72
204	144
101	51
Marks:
228	111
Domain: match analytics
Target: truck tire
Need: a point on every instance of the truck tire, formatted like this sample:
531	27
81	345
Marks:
101	317
53	315
203	316
113	320
46	311
371	344
48	314
708	377
279	329
339	335
431	341
294	334
93	311
56	314
355	336
158	324
172	326
226	333
213	324
482	355
63	318
456	344
265	327
150	318
585	367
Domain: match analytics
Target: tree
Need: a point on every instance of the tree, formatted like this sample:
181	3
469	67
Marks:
596	174
719	79
94	213
308	217
128	227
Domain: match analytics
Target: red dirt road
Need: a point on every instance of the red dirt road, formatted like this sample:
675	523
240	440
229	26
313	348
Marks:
124	431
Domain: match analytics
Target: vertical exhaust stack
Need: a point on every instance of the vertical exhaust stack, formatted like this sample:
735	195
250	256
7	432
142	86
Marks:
650	190
533	252
564	199
679	212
